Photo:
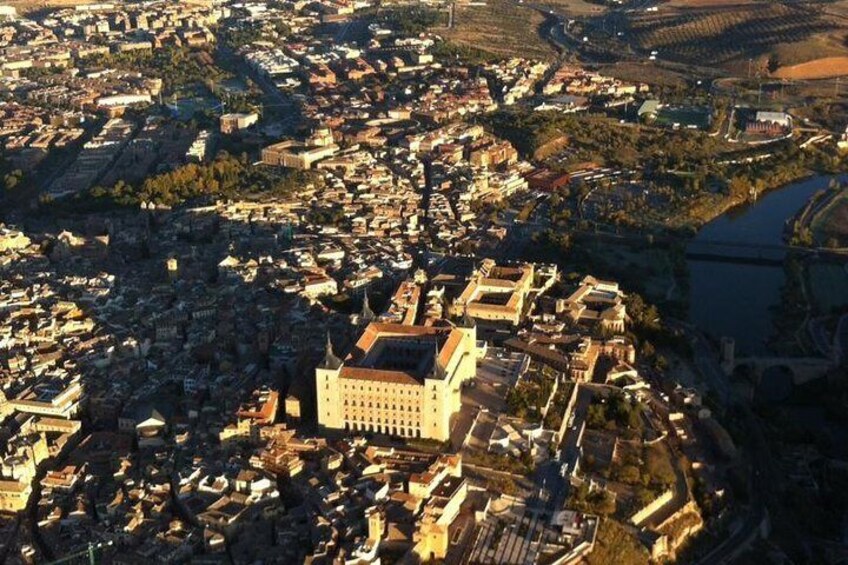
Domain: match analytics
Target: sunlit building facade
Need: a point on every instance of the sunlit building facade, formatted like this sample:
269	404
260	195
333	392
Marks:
398	380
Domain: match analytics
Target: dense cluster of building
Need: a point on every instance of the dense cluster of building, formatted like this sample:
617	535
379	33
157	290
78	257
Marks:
342	372
193	344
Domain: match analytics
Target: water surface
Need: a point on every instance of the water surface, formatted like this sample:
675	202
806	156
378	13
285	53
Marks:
737	300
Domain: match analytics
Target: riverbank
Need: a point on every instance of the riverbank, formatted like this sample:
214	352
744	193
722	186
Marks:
706	211
756	304
824	221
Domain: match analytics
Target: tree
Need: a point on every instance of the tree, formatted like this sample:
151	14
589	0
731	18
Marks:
658	466
629	474
601	502
634	418
739	188
616	545
412	20
596	417
645	316
12	179
225	176
644	496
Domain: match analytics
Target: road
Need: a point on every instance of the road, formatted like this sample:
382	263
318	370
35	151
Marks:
569	452
343	31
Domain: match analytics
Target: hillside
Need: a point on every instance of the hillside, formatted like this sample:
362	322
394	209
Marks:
825	67
729	33
501	28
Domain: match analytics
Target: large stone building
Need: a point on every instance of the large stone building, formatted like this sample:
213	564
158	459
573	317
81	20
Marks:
596	302
399	380
495	293
14	495
232	123
57	397
301	155
295	154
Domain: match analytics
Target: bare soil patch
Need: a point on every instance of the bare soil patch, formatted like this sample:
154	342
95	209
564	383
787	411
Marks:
826	67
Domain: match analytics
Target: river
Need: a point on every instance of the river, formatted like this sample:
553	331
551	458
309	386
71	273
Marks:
735	299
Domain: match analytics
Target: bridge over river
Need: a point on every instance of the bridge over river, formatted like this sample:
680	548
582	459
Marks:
801	369
699	249
729	251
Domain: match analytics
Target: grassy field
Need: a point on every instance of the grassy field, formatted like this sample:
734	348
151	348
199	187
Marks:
728	35
816	47
838	8
685	116
502	28
644	72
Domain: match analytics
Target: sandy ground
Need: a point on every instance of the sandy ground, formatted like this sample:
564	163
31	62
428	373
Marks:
826	67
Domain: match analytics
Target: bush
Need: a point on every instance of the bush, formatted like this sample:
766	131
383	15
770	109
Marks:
449	51
529	396
502	485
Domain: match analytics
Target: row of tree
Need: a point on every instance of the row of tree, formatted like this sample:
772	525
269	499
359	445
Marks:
225	177
178	67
